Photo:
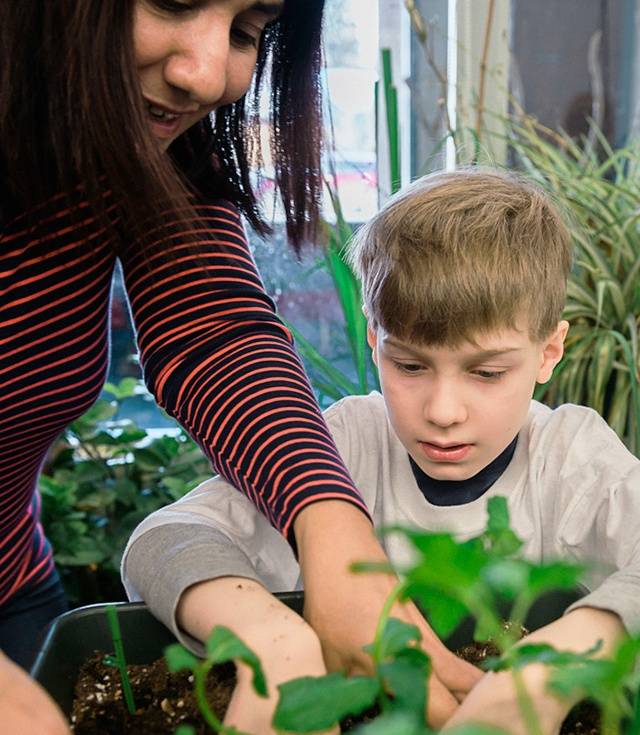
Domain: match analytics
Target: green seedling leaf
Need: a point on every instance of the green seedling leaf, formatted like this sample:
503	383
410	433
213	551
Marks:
393	723
396	636
541	653
507	577
405	679
311	703
179	659
476	729
557	575
499	539
600	678
224	645
444	612
185	730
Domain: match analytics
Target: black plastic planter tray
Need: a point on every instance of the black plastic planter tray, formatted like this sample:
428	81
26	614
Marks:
74	636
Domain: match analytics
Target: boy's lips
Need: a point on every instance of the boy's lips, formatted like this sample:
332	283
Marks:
448	453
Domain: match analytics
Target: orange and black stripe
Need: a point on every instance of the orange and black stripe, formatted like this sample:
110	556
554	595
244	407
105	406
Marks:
213	352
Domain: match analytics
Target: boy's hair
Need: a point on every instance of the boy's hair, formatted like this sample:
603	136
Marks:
458	254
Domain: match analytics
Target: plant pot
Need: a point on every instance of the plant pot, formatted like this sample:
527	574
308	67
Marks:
74	636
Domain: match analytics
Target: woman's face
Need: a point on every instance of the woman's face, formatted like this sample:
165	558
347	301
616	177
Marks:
193	56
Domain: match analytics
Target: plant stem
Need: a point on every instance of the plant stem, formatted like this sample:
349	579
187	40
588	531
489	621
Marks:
483	69
209	716
610	720
526	705
377	641
121	661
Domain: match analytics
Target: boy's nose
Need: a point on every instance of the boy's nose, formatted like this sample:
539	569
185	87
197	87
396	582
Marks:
200	62
444	405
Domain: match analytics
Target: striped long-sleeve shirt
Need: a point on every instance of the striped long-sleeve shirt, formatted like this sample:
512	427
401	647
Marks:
213	352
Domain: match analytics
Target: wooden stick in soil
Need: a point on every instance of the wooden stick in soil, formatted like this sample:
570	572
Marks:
121	661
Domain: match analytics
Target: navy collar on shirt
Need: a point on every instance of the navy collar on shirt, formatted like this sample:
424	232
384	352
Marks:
459	492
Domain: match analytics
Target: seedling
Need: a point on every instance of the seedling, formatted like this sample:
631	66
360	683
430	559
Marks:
222	646
119	660
449	580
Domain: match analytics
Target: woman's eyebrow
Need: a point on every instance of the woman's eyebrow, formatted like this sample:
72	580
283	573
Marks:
273	10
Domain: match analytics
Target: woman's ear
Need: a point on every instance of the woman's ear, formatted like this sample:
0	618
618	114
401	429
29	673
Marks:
551	351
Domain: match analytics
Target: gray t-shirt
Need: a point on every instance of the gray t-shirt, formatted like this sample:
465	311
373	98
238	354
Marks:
573	492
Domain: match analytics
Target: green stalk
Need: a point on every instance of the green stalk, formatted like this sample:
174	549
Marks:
382	622
610	720
121	661
526	705
391	104
200	680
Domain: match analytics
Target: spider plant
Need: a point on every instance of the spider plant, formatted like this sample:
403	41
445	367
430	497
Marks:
600	189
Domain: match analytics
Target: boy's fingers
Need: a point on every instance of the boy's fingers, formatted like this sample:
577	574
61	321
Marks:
441	704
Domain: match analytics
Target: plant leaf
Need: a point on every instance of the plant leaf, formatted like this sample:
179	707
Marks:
178	658
224	645
311	703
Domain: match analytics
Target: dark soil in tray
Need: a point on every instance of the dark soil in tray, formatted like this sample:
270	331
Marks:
165	700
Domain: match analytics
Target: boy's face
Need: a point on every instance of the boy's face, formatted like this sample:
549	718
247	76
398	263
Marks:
456	409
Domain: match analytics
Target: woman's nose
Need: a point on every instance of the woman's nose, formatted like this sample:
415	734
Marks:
199	64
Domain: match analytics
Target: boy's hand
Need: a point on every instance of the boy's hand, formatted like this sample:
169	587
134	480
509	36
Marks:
343	608
24	706
494	701
285	644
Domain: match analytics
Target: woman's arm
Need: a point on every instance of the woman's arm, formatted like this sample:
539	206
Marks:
24	706
343	608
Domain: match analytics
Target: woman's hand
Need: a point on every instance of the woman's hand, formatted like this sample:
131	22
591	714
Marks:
285	644
24	706
494	700
343	608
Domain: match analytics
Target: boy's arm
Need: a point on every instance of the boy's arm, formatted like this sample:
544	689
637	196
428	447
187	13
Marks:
286	646
494	699
212	532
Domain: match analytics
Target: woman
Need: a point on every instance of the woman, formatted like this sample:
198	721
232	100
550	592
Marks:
109	150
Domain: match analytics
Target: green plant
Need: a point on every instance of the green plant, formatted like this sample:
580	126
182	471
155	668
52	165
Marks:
450	580
222	646
105	476
329	381
119	660
600	189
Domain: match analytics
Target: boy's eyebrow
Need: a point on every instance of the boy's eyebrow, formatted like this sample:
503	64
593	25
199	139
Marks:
482	355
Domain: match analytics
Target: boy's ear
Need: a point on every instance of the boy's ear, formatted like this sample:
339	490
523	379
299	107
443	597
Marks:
372	341
552	351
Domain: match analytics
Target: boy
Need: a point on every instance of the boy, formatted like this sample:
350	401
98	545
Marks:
464	278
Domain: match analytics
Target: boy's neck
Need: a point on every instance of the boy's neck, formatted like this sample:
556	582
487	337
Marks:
460	492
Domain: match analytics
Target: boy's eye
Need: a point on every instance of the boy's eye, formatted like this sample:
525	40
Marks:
489	374
407	367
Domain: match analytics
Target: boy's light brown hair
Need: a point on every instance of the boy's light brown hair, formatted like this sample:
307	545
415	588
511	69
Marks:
461	253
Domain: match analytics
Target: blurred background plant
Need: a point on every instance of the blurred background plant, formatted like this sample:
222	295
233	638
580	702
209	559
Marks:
599	188
103	477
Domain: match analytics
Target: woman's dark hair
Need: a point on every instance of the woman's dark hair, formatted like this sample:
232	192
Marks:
71	113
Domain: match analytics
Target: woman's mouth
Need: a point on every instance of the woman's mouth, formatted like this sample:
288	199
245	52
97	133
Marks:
164	123
451	453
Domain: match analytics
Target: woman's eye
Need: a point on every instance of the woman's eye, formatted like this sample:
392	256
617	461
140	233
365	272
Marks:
173	6
244	39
